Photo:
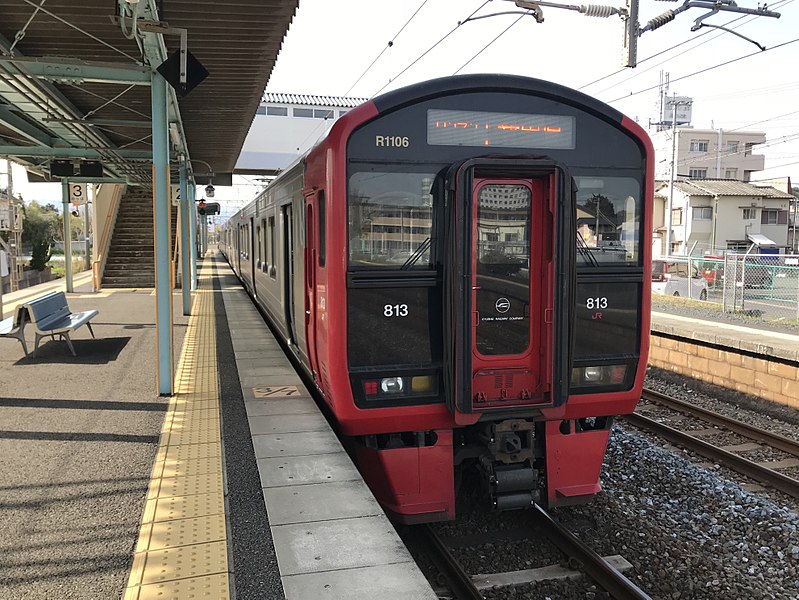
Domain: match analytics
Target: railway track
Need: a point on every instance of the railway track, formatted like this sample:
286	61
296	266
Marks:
464	587
757	471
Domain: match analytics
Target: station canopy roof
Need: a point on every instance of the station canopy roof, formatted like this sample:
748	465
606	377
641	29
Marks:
50	109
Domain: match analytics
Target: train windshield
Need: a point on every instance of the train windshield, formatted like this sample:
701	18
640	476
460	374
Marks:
390	219
608	216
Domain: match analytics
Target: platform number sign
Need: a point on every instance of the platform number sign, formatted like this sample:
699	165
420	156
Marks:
78	193
175	195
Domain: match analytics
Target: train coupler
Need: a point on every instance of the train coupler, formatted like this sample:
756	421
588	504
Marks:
510	487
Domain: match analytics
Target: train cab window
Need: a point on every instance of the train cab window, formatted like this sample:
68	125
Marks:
322	234
390	220
608	217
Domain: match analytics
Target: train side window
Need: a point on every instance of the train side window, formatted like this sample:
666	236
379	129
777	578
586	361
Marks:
322	236
272	270
260	248
265	264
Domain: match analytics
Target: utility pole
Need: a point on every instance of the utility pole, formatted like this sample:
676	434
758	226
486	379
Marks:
674	104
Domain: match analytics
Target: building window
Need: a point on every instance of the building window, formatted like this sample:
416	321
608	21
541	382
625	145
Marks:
341	113
697	173
731	174
277	111
324	113
306	113
732	147
676	216
261	110
699	145
748	149
768	217
703	213
750	214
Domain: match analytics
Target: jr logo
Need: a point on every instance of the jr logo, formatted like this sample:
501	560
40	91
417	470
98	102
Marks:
502	305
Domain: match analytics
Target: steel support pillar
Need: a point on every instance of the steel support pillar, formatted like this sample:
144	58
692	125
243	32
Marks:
185	241
67	235
193	226
161	215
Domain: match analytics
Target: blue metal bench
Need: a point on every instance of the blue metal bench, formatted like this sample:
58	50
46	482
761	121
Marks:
14	327
50	316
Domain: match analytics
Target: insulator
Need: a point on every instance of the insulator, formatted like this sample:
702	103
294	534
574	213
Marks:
598	10
660	20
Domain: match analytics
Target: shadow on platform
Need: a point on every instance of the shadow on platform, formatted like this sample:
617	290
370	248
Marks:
90	352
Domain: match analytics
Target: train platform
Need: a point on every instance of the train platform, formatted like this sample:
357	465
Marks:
759	341
234	487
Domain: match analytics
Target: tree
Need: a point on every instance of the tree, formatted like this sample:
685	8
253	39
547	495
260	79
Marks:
39	226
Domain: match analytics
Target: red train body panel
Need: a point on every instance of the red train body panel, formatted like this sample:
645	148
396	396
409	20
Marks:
460	267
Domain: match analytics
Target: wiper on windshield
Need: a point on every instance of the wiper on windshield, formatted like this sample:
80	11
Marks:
417	254
585	251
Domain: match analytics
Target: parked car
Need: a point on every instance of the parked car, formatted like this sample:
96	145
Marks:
671	277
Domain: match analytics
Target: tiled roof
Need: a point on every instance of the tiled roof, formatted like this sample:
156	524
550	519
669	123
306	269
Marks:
312	100
726	187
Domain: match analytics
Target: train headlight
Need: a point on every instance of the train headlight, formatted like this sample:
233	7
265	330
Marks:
392	385
599	375
592	374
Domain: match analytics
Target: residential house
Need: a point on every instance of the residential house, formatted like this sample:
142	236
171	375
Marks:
711	217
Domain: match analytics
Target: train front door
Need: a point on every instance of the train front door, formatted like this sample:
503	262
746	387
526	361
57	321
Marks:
507	257
504	284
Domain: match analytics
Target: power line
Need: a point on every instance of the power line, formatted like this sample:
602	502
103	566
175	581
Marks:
431	48
504	31
724	64
389	45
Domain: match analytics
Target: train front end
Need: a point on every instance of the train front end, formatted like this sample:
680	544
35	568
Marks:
497	301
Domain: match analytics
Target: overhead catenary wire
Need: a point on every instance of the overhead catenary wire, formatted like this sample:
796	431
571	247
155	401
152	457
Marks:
705	70
387	46
431	48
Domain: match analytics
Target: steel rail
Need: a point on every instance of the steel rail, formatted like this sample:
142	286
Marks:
742	465
460	583
761	435
596	567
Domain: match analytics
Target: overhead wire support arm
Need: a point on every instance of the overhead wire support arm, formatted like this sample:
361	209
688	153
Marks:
633	30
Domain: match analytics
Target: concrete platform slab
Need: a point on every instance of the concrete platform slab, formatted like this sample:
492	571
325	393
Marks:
295	444
283	406
320	502
340	544
399	581
320	468
287	423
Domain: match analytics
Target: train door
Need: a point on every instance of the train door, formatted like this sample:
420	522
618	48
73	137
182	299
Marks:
288	283
311	249
505	320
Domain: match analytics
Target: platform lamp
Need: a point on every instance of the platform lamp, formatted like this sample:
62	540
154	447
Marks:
209	189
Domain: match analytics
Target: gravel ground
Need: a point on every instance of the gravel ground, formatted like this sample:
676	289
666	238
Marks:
689	533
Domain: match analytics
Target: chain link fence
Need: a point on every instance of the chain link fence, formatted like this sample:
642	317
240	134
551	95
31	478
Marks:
763	286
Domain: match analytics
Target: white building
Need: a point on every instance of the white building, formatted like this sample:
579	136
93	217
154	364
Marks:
708	153
286	126
710	217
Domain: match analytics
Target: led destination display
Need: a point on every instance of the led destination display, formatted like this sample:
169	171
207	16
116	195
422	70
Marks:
510	130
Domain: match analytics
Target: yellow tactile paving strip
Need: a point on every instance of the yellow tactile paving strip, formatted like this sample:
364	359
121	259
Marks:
182	548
